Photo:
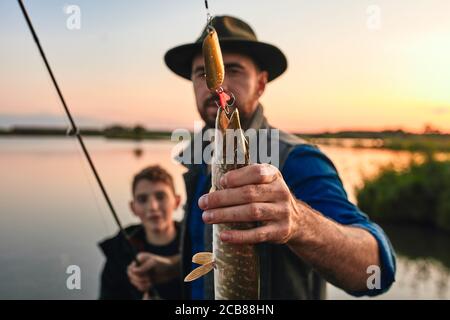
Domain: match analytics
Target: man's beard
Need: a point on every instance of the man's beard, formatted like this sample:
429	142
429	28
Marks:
208	112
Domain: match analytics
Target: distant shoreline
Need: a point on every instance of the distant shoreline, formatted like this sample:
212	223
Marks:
387	139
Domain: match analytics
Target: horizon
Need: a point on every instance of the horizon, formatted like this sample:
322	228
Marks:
343	74
42	121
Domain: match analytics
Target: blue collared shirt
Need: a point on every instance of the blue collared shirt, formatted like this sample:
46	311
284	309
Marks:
312	178
196	229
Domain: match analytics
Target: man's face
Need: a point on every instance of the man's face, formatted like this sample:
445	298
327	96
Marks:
154	203
242	78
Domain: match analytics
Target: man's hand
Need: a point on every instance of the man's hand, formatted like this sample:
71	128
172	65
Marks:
153	269
258	193
254	193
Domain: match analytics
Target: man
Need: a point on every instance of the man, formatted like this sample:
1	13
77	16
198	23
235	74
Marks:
308	230
157	240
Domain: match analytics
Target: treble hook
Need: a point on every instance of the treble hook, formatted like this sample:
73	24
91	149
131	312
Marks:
224	99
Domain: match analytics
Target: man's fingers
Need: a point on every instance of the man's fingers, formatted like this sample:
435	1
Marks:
251	174
258	211
242	195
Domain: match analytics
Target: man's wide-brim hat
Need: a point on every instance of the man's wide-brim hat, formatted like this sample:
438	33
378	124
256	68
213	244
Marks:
235	36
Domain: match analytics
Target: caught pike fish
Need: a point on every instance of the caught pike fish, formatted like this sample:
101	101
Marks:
236	267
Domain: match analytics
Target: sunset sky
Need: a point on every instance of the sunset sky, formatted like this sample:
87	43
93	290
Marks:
343	73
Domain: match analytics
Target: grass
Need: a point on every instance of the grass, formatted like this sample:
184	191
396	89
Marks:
394	140
418	195
419	143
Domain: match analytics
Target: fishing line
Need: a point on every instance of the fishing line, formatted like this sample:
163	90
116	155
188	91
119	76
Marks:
208	15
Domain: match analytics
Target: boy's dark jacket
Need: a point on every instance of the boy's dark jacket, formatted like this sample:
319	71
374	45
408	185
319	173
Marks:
114	280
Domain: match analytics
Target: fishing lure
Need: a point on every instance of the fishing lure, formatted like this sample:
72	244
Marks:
215	69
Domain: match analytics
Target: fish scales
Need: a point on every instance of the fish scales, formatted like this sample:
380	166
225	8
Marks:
236	273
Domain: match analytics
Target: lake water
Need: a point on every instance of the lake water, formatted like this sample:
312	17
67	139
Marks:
53	215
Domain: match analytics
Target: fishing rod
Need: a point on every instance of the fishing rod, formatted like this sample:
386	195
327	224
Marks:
76	132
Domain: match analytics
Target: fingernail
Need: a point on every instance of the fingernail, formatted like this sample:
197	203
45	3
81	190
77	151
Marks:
223	182
225	237
203	201
206	216
268	170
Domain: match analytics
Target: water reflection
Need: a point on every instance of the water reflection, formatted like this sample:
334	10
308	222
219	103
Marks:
425	257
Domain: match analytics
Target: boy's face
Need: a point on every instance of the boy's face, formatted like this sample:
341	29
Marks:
154	203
